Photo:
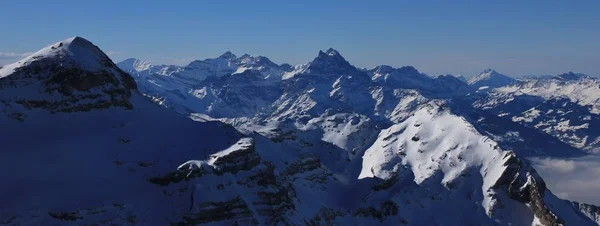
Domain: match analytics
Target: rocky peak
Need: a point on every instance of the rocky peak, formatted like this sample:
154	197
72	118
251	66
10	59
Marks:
228	55
332	52
330	61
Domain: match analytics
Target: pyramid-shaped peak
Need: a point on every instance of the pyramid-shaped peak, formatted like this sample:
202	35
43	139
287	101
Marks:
77	40
72	64
228	55
72	52
490	78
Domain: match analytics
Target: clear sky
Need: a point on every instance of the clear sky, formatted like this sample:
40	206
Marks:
437	37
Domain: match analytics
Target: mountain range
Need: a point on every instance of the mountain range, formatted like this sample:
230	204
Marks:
245	141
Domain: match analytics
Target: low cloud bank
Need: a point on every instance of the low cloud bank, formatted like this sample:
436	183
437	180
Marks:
576	179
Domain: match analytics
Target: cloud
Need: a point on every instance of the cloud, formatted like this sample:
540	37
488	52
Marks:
11	55
112	53
576	179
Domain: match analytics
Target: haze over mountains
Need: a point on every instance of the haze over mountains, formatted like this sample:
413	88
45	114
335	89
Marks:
243	140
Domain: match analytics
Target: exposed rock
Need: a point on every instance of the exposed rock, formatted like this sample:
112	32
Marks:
591	211
234	209
524	185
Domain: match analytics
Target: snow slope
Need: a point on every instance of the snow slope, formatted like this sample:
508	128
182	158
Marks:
584	91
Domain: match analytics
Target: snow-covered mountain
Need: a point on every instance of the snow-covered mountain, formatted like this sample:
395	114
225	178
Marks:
84	141
329	104
489	79
565	106
229	63
322	143
137	67
408	77
568	74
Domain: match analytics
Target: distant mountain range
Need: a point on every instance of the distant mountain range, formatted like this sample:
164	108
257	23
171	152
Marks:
245	141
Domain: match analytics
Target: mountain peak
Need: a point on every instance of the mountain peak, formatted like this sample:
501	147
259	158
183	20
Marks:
77	40
74	68
570	76
332	52
73	52
228	55
490	78
134	64
489	70
408	69
330	61
382	69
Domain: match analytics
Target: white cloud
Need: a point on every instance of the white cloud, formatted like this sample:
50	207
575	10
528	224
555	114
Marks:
11	55
576	179
112	53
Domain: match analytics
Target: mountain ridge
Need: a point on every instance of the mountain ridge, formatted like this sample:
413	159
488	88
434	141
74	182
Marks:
272	150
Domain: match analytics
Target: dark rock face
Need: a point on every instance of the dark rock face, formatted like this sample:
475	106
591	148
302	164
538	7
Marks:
218	211
331	62
326	216
261	195
245	159
386	209
524	185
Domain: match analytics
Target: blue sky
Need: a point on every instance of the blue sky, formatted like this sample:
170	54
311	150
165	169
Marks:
437	37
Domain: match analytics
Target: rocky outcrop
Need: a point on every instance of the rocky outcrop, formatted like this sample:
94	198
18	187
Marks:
232	162
247	189
524	185
590	211
235	210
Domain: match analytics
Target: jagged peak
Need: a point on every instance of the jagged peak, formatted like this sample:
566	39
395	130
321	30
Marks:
386	69
330	61
332	52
